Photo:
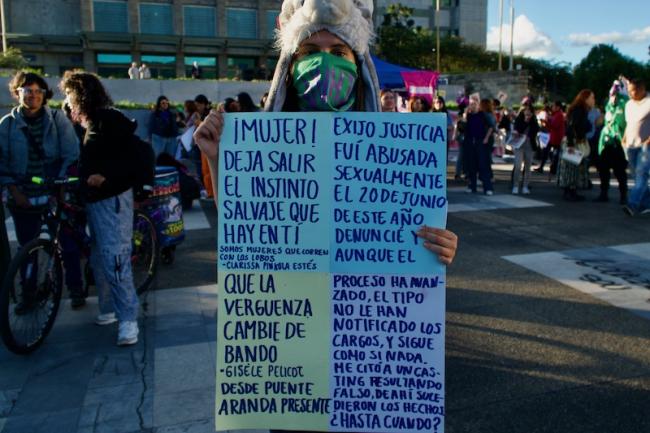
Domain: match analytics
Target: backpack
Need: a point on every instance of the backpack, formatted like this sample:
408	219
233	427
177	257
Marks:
144	168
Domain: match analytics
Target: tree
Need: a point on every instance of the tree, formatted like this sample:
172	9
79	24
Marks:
602	65
400	42
12	59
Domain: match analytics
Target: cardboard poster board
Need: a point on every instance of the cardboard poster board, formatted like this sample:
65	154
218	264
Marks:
331	312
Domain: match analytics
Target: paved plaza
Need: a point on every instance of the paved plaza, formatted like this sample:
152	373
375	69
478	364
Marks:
548	330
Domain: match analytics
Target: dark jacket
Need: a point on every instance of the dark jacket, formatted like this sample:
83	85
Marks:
533	127
108	150
578	126
164	127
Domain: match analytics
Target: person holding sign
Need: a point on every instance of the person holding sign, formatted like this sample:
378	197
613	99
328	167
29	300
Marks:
324	67
319	40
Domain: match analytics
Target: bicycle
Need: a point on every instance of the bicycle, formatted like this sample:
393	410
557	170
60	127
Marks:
35	274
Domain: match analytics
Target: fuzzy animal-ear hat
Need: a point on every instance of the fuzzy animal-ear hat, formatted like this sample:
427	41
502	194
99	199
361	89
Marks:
350	20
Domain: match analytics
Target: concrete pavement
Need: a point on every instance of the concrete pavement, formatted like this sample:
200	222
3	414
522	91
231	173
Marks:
529	348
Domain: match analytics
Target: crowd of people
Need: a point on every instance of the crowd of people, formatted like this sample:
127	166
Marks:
613	139
94	137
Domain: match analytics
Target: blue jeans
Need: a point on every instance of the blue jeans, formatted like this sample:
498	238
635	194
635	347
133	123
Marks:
477	158
633	154
164	144
639	199
111	229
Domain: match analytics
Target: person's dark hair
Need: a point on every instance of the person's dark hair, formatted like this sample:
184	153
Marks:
88	91
425	104
638	83
580	101
559	104
443	109
496	103
22	79
190	107
159	100
486	106
227	105
263	99
246	103
202	99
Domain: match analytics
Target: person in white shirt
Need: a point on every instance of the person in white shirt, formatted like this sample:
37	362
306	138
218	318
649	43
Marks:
145	73
134	72
637	145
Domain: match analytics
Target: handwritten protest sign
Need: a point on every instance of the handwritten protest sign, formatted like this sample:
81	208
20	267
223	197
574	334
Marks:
331	312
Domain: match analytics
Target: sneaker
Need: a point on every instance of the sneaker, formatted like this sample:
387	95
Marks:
105	319
127	333
645	211
515	190
525	190
468	190
489	192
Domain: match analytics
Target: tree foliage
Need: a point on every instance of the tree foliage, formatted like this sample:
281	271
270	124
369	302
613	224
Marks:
399	41
12	59
602	65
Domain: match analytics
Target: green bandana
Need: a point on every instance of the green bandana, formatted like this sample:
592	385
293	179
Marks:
324	82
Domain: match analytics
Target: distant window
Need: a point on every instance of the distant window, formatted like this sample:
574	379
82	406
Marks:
199	21
156	19
114	59
242	23
208	66
111	16
158	60
240	67
271	19
202	61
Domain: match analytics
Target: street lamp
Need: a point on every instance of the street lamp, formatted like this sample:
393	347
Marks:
4	32
437	50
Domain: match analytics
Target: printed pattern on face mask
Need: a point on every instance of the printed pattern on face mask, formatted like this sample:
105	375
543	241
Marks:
324	82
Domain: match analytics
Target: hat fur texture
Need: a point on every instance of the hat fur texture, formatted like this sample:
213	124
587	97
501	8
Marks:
350	20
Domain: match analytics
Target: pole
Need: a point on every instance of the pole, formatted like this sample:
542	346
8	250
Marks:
438	35
4	32
500	34
512	34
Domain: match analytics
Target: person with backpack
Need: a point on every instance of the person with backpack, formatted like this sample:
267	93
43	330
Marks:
108	168
34	141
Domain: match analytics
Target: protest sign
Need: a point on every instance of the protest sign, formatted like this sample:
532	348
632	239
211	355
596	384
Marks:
331	312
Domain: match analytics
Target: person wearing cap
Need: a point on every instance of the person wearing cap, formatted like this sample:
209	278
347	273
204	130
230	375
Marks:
611	155
318	40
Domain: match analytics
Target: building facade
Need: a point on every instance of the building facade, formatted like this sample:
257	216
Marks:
227	38
464	18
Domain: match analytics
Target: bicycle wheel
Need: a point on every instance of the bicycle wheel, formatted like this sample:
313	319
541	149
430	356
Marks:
144	253
30	296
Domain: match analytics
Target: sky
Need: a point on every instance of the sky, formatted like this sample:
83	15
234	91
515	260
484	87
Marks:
565	30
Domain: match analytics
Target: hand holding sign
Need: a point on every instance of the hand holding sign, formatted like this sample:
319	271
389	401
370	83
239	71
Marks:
208	135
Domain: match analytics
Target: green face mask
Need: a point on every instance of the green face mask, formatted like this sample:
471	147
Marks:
324	82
